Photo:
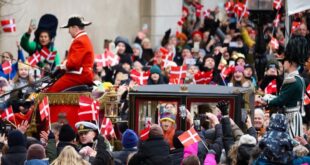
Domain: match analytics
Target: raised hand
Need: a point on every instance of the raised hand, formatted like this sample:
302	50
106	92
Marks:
23	126
223	106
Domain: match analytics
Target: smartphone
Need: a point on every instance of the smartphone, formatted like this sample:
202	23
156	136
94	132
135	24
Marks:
190	61
196	46
33	23
231	63
233	44
183	113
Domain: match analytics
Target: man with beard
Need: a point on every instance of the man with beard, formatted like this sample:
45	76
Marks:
291	94
271	74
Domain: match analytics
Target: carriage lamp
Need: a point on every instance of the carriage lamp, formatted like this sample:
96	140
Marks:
111	105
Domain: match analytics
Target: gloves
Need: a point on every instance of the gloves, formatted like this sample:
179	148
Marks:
223	106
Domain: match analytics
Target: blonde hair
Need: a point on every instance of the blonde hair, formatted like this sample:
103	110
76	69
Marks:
69	156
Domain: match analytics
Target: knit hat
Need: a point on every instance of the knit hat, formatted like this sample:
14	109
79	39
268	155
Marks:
197	33
129	139
239	68
138	46
66	133
155	69
156	131
36	151
247	139
168	114
16	138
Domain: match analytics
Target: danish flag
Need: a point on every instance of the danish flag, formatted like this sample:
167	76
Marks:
226	71
8	114
139	77
295	26
198	7
203	77
47	54
271	88
144	134
101	60
7	67
277	20
181	21
185	12
107	128
88	109
107	59
229	6
164	51
34	59
178	72
277	4
274	43
8	25
176	81
306	98
239	9
44	108
189	137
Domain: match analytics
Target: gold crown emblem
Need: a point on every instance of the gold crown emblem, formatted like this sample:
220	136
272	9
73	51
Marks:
81	127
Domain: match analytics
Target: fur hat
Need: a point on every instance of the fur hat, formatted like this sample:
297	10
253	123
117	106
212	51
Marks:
66	133
129	139
297	50
247	139
48	23
36	151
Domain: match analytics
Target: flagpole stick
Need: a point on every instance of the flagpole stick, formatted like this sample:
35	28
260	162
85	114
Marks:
204	144
11	123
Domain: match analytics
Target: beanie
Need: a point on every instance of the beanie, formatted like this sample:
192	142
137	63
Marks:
36	151
156	131
16	138
66	133
239	68
247	139
155	69
129	139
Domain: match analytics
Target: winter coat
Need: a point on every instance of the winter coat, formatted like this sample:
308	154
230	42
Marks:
16	155
153	151
14	67
193	150
176	156
32	46
51	150
36	162
103	156
120	157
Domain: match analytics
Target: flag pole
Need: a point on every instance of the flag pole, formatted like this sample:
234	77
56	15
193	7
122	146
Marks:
49	115
204	144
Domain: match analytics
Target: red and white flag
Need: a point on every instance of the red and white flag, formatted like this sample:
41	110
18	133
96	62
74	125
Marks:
274	43
88	109
164	51
203	77
189	137
139	77
113	59
277	4
198	8
7	67
306	98
226	71
107	128
47	54
8	114
229	6
181	21
34	59
44	108
101	60
271	88
184	12
239	9
178	72
8	25
295	26
175	81
144	134
276	22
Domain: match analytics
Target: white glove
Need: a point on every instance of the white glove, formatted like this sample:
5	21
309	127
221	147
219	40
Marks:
268	97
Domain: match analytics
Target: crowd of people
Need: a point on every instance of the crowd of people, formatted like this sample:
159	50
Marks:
231	51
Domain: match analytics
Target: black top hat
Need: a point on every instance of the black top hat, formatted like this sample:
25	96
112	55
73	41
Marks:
76	20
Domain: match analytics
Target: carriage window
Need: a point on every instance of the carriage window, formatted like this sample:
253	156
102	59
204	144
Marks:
152	111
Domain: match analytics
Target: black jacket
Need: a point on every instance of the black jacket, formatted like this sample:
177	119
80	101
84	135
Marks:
103	156
177	156
154	151
120	157
15	156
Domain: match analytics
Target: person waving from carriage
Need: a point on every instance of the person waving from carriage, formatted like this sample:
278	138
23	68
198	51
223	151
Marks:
78	66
